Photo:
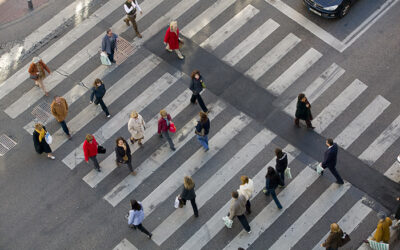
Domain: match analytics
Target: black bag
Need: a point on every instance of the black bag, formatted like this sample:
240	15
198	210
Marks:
101	149
34	77
345	240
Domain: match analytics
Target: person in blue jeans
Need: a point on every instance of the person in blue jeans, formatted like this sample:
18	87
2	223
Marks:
202	129
272	181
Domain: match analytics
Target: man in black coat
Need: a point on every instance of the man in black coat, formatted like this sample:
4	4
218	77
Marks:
330	157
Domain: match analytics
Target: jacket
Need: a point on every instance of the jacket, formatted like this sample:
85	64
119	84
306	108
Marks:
334	240
120	153
162	124
33	70
90	149
188	194
136	217
172	38
196	85
238	207
136	127
108	44
302	112
60	111
247	189
99	92
272	182
330	157
382	232
205	125
42	146
281	164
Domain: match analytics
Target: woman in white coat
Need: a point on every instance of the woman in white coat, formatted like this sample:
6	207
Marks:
246	189
136	127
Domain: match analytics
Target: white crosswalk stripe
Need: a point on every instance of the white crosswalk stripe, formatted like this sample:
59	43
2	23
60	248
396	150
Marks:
125	245
393	172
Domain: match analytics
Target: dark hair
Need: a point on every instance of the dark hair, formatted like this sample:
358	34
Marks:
235	194
301	96
329	141
203	117
270	172
120	138
135	205
108	30
96	81
195	72
278	153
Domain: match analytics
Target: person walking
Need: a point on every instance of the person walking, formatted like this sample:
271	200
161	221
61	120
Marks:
196	86
330	158
59	109
90	151
202	130
189	194
335	238
163	127
382	232
136	127
303	111
237	208
109	44
272	180
281	164
123	154
39	141
37	71
171	39
99	90
136	217
246	189
130	7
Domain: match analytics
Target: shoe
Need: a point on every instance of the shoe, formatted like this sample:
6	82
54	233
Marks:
169	50
282	186
132	141
113	61
46	93
133	173
311	127
249	232
196	215
248	212
150	235
98	170
108	116
181	57
340	183
139	35
52	157
140	144
173	149
69	137
126	20
205	150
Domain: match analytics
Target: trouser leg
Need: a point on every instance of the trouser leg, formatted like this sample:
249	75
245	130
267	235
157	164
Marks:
132	18
297	122
248	206
193	98
308	122
95	162
111	56
129	164
194	206
39	82
202	141
64	127
273	194
201	103
166	136
244	222
336	174
282	175
103	106
144	230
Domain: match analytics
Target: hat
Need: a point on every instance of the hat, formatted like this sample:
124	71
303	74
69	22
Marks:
381	215
35	59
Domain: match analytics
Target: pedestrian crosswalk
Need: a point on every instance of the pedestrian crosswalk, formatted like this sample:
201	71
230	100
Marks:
235	127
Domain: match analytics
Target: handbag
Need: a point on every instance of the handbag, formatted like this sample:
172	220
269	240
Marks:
319	169
104	59
101	149
345	239
125	158
34	77
181	43
378	245
228	222
172	127
288	174
203	84
48	138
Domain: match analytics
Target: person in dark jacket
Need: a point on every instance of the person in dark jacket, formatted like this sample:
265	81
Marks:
99	90
189	194
334	239
303	111
272	181
281	164
123	154
109	44
202	130
163	127
330	158
196	86
39	141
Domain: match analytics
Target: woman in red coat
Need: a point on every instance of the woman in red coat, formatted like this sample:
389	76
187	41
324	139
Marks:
163	127
90	151
171	39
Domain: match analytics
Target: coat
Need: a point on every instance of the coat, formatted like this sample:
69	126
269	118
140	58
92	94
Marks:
42	146
90	149
162	124
172	38
205	125
382	232
196	85
108	45
136	127
272	182
120	153
60	111
188	194
334	240
136	217
33	70
281	163
247	189
330	157
238	207
99	92
302	112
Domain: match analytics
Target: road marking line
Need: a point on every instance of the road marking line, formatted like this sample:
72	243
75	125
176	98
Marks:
298	68
393	172
125	245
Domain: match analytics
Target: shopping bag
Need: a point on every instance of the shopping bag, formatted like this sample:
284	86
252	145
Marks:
319	169
176	204
378	245
48	138
288	174
101	149
228	222
104	59
345	239
172	127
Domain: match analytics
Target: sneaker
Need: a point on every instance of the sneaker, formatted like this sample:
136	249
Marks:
181	57
249	232
52	157
108	116
205	150
98	170
173	149
133	173
139	35
150	235
69	137
169	50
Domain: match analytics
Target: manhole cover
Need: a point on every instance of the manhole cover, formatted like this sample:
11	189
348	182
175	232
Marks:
124	50
42	112
6	143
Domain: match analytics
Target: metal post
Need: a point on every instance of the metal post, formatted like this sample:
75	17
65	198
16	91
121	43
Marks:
30	5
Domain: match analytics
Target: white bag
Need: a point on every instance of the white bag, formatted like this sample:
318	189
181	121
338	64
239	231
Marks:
319	169
104	59
378	245
48	138
176	204
228	222
288	174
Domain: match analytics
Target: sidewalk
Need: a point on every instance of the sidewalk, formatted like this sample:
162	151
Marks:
12	10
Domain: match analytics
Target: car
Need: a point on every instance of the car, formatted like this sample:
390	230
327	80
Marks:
329	8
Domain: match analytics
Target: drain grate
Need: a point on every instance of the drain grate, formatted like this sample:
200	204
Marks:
42	112
6	144
124	50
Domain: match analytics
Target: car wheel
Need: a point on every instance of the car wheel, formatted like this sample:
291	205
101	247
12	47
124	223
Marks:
345	9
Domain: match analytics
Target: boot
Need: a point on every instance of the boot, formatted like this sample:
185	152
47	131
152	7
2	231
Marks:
138	35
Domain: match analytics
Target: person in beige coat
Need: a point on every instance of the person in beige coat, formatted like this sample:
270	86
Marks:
136	127
237	208
59	109
246	189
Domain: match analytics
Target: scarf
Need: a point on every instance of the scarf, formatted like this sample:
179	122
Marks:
42	133
166	119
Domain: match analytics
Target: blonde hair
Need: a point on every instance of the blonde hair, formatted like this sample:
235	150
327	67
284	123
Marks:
188	182
335	228
134	114
244	179
163	113
89	137
173	25
38	126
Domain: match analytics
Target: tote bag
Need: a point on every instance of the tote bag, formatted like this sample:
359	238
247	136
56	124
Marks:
104	59
288	174
48	138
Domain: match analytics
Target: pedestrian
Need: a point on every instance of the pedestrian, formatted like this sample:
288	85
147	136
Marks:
59	109
136	217
37	71
163	127
246	189
172	40
334	240
202	130
99	90
90	151
237	208
39	141
109	44
123	154
196	86
272	180
130	7
281	164
189	194
382	232
136	127
397	214
303	111
330	158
